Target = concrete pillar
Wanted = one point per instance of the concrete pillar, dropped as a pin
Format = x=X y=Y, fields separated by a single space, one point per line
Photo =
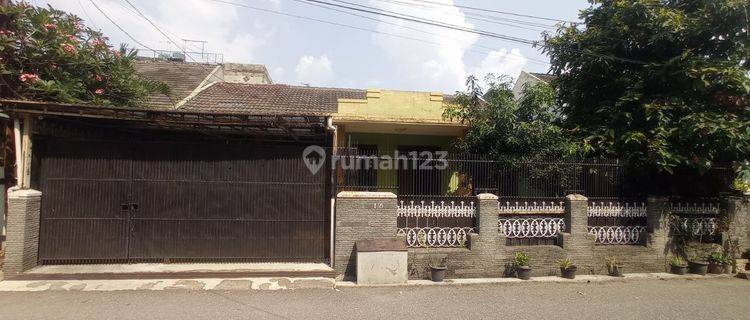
x=486 y=220
x=361 y=216
x=22 y=240
x=737 y=214
x=657 y=223
x=576 y=214
x=576 y=240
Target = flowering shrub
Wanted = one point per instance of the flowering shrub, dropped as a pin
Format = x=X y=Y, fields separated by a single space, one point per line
x=49 y=55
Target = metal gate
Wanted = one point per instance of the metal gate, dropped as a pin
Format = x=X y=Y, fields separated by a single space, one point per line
x=107 y=201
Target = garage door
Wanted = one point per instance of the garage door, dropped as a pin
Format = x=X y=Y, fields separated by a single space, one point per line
x=106 y=201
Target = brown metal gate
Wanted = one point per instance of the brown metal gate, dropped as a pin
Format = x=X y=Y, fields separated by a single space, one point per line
x=107 y=201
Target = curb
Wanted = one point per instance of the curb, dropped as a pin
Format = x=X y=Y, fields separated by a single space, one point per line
x=550 y=279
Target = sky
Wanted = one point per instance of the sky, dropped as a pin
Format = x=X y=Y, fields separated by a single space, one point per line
x=364 y=51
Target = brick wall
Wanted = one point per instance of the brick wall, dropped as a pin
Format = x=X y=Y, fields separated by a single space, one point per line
x=22 y=240
x=361 y=216
x=487 y=254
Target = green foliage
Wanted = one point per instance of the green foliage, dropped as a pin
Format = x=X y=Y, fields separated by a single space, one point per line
x=677 y=261
x=522 y=259
x=611 y=262
x=718 y=258
x=662 y=83
x=49 y=55
x=565 y=263
x=505 y=129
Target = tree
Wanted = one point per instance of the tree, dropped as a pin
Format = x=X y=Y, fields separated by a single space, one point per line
x=49 y=55
x=510 y=130
x=662 y=83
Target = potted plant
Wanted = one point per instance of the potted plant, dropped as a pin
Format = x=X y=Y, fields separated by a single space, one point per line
x=437 y=264
x=717 y=262
x=678 y=264
x=614 y=267
x=567 y=268
x=437 y=269
x=523 y=270
x=698 y=267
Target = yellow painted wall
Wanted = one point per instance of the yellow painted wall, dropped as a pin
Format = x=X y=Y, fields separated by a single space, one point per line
x=394 y=106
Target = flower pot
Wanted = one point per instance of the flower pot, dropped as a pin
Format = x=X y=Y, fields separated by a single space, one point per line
x=569 y=273
x=615 y=271
x=728 y=269
x=524 y=272
x=680 y=270
x=697 y=267
x=715 y=268
x=437 y=274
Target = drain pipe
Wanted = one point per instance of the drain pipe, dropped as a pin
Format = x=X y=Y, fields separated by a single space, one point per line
x=332 y=128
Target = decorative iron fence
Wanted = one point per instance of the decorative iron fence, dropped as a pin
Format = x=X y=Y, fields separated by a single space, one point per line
x=696 y=220
x=436 y=221
x=531 y=229
x=617 y=222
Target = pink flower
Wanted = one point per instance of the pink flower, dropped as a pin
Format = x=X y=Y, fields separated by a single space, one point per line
x=50 y=26
x=98 y=42
x=78 y=25
x=73 y=38
x=98 y=77
x=99 y=91
x=5 y=32
x=116 y=53
x=28 y=77
x=69 y=48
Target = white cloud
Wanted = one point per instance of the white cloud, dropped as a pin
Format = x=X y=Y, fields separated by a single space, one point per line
x=500 y=62
x=429 y=67
x=314 y=71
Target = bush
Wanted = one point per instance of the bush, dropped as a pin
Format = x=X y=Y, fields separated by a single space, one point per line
x=49 y=55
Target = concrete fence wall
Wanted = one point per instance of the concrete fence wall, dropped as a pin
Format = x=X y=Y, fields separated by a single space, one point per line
x=361 y=216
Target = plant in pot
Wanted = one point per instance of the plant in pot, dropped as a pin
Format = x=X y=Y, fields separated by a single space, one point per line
x=523 y=270
x=698 y=267
x=614 y=267
x=717 y=262
x=436 y=264
x=567 y=268
x=678 y=265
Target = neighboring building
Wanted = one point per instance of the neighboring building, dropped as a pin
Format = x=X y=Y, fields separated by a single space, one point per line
x=186 y=78
x=528 y=78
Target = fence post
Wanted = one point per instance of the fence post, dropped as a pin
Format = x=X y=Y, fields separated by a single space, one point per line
x=736 y=214
x=576 y=240
x=487 y=223
x=361 y=216
x=657 y=223
x=22 y=244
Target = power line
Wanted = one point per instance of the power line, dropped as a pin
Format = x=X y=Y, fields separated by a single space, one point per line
x=481 y=17
x=532 y=43
x=396 y=15
x=118 y=26
x=497 y=11
x=338 y=24
x=422 y=31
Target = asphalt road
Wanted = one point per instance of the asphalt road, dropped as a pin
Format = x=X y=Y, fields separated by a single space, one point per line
x=644 y=299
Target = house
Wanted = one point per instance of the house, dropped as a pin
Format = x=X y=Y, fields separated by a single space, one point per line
x=213 y=173
x=528 y=78
x=397 y=123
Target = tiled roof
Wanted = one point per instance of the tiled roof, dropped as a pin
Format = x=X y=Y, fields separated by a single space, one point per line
x=544 y=77
x=270 y=99
x=181 y=77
